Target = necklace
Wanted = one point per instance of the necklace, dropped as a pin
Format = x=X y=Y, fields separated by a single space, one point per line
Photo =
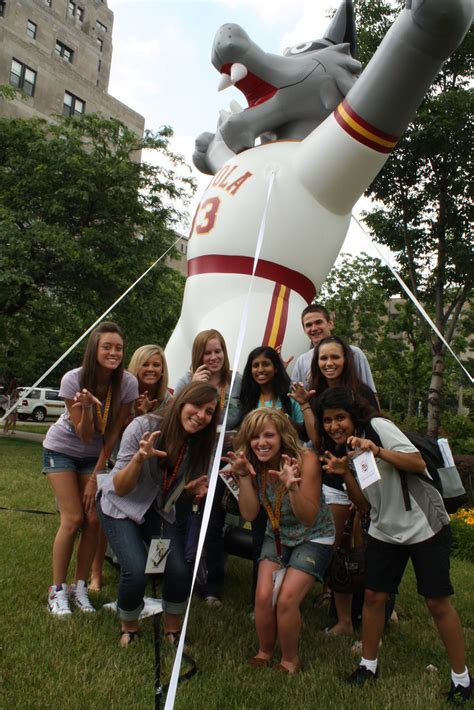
x=102 y=418
x=168 y=479
x=273 y=515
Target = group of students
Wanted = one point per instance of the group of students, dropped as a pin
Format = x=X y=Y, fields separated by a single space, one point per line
x=297 y=496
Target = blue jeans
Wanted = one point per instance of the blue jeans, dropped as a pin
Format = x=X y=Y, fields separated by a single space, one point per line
x=127 y=539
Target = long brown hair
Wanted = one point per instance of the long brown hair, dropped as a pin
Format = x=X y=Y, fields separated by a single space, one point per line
x=89 y=371
x=253 y=424
x=199 y=347
x=173 y=436
x=140 y=356
x=349 y=373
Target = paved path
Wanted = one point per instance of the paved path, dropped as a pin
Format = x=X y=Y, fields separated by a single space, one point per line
x=29 y=436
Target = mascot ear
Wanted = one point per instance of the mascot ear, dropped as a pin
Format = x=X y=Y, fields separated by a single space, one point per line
x=342 y=28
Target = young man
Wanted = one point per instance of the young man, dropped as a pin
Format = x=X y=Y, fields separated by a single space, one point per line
x=317 y=324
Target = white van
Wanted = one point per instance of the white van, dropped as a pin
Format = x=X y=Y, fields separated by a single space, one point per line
x=39 y=404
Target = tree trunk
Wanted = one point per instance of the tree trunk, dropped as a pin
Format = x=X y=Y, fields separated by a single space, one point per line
x=434 y=395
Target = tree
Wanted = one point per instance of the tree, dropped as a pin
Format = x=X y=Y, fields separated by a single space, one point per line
x=80 y=219
x=363 y=295
x=422 y=198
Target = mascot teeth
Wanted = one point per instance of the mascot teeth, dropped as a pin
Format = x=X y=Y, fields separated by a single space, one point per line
x=238 y=72
x=224 y=82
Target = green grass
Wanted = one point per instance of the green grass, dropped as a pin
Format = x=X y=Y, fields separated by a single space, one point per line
x=32 y=428
x=77 y=662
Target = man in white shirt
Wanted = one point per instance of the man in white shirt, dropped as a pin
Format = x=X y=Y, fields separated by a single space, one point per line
x=318 y=324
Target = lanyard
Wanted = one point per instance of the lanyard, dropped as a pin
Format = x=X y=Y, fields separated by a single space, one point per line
x=222 y=390
x=102 y=419
x=169 y=479
x=273 y=515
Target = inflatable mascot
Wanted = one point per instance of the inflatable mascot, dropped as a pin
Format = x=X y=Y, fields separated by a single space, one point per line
x=324 y=134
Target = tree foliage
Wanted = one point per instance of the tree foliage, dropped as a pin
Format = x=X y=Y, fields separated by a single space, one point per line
x=81 y=217
x=422 y=197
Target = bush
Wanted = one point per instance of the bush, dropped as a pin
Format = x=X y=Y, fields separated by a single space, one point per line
x=459 y=429
x=462 y=526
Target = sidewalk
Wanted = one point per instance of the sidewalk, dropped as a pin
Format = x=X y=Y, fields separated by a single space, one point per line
x=23 y=435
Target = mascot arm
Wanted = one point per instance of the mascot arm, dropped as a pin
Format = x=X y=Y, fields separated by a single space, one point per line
x=339 y=160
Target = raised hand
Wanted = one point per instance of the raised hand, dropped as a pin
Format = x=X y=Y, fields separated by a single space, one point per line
x=331 y=464
x=240 y=465
x=146 y=449
x=143 y=404
x=197 y=488
x=289 y=474
x=300 y=394
x=201 y=374
x=85 y=399
x=285 y=362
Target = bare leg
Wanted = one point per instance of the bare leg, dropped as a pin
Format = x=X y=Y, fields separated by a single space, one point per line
x=66 y=489
x=373 y=622
x=172 y=623
x=449 y=627
x=88 y=541
x=343 y=602
x=98 y=563
x=265 y=619
x=295 y=587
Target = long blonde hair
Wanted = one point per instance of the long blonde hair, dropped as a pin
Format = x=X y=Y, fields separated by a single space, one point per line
x=199 y=347
x=140 y=356
x=253 y=424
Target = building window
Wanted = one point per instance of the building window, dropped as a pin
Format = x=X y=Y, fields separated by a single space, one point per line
x=2 y=7
x=63 y=51
x=100 y=26
x=47 y=3
x=73 y=105
x=99 y=65
x=22 y=77
x=31 y=28
x=100 y=44
x=75 y=11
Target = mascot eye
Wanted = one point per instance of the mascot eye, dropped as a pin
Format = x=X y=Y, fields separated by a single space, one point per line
x=303 y=47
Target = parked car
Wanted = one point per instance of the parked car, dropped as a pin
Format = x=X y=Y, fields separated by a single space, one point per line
x=39 y=404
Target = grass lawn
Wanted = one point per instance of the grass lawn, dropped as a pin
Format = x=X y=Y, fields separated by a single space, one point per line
x=76 y=662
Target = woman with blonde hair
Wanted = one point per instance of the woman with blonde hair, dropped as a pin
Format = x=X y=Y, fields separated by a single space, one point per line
x=148 y=364
x=273 y=470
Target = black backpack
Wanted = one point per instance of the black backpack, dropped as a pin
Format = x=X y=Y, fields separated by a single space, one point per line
x=446 y=480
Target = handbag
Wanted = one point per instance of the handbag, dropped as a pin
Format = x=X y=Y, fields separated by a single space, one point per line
x=347 y=569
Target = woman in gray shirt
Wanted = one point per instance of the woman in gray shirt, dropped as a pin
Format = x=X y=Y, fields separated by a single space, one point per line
x=161 y=468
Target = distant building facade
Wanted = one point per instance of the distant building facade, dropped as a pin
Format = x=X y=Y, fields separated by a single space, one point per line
x=59 y=53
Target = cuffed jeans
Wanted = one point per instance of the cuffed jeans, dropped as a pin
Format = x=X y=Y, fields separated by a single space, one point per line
x=127 y=540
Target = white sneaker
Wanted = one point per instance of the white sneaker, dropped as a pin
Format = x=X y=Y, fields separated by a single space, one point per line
x=80 y=597
x=58 y=600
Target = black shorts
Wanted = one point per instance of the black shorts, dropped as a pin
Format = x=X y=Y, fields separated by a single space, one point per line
x=386 y=564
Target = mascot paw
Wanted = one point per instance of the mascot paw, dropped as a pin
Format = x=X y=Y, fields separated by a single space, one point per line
x=200 y=155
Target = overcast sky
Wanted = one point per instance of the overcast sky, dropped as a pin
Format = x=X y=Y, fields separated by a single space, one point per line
x=161 y=62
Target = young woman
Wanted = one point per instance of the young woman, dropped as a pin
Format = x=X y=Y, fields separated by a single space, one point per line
x=333 y=365
x=99 y=397
x=210 y=363
x=265 y=383
x=273 y=470
x=158 y=459
x=396 y=534
x=149 y=366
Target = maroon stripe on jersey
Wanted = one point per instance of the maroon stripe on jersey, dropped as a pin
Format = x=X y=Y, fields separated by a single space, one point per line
x=225 y=264
x=277 y=316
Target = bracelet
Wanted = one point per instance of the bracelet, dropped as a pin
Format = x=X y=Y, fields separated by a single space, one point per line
x=242 y=475
x=93 y=479
x=306 y=406
x=378 y=453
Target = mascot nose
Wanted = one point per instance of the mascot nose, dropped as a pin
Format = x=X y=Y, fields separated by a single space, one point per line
x=230 y=39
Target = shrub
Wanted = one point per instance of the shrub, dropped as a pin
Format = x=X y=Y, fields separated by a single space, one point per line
x=459 y=429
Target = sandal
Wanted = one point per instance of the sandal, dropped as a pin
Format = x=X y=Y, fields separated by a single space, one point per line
x=323 y=599
x=127 y=638
x=257 y=662
x=284 y=669
x=173 y=639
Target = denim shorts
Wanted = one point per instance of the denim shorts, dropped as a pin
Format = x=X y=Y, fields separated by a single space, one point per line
x=54 y=462
x=334 y=496
x=310 y=557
